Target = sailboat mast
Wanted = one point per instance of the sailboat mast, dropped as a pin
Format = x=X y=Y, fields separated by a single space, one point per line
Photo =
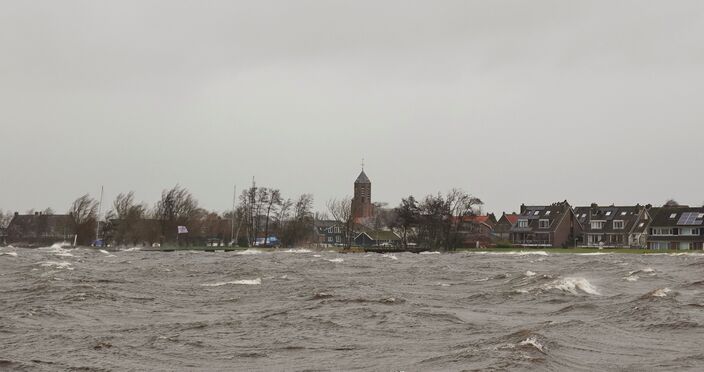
x=100 y=208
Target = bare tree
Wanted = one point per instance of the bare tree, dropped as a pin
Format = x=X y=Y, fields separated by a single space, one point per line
x=407 y=217
x=84 y=215
x=175 y=208
x=341 y=211
x=671 y=203
x=5 y=219
x=124 y=220
x=273 y=202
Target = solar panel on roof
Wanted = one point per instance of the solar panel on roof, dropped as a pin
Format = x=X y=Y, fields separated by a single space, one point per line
x=688 y=218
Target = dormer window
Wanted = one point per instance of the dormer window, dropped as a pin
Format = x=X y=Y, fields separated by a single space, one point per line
x=618 y=225
x=544 y=224
x=623 y=213
x=522 y=223
x=672 y=216
x=608 y=213
x=547 y=213
x=537 y=213
x=597 y=225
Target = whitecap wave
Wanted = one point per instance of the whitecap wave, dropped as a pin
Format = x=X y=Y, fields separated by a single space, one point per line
x=336 y=260
x=389 y=256
x=660 y=292
x=58 y=265
x=249 y=251
x=530 y=273
x=297 y=250
x=573 y=285
x=434 y=252
x=632 y=278
x=594 y=254
x=11 y=254
x=533 y=341
x=133 y=249
x=256 y=281
x=515 y=253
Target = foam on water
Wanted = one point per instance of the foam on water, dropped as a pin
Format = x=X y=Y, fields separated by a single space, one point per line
x=298 y=250
x=389 y=256
x=573 y=285
x=11 y=254
x=56 y=264
x=594 y=254
x=133 y=249
x=256 y=281
x=434 y=252
x=530 y=273
x=632 y=278
x=336 y=260
x=249 y=251
x=515 y=253
x=533 y=341
x=660 y=292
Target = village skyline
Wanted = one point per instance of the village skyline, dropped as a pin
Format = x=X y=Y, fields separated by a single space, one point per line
x=491 y=100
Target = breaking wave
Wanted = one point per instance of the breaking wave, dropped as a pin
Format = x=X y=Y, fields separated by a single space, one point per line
x=573 y=286
x=58 y=265
x=336 y=260
x=256 y=281
x=11 y=254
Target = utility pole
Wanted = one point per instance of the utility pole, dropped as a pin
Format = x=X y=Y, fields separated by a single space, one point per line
x=232 y=232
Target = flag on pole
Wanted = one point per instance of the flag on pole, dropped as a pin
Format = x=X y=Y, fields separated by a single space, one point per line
x=182 y=230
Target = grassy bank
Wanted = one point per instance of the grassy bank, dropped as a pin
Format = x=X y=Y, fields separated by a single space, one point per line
x=568 y=250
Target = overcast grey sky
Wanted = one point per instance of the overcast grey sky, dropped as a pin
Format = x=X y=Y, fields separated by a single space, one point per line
x=513 y=101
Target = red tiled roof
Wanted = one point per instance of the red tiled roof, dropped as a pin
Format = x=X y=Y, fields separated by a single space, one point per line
x=512 y=218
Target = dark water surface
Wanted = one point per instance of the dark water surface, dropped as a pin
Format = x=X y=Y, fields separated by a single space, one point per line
x=83 y=309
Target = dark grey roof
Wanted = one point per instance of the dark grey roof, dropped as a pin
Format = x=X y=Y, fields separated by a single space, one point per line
x=362 y=178
x=635 y=218
x=678 y=216
x=553 y=213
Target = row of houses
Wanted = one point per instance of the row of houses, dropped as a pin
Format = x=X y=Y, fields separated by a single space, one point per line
x=561 y=225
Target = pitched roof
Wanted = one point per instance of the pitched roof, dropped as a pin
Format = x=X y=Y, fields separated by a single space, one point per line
x=362 y=178
x=634 y=218
x=512 y=218
x=678 y=216
x=553 y=213
x=378 y=235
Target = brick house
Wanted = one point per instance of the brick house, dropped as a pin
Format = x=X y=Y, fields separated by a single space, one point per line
x=679 y=228
x=552 y=225
x=476 y=231
x=613 y=226
x=502 y=228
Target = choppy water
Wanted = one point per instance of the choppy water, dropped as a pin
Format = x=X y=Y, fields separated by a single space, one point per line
x=84 y=309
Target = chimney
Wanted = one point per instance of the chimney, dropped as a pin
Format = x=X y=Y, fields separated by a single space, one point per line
x=36 y=213
x=17 y=213
x=523 y=208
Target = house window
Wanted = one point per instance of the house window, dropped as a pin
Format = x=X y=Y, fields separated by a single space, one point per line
x=662 y=232
x=338 y=239
x=618 y=225
x=537 y=213
x=337 y=230
x=523 y=223
x=547 y=213
x=672 y=216
x=544 y=224
x=330 y=239
x=597 y=225
x=623 y=213
x=608 y=213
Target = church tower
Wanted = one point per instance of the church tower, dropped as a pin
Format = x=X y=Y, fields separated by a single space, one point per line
x=362 y=203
